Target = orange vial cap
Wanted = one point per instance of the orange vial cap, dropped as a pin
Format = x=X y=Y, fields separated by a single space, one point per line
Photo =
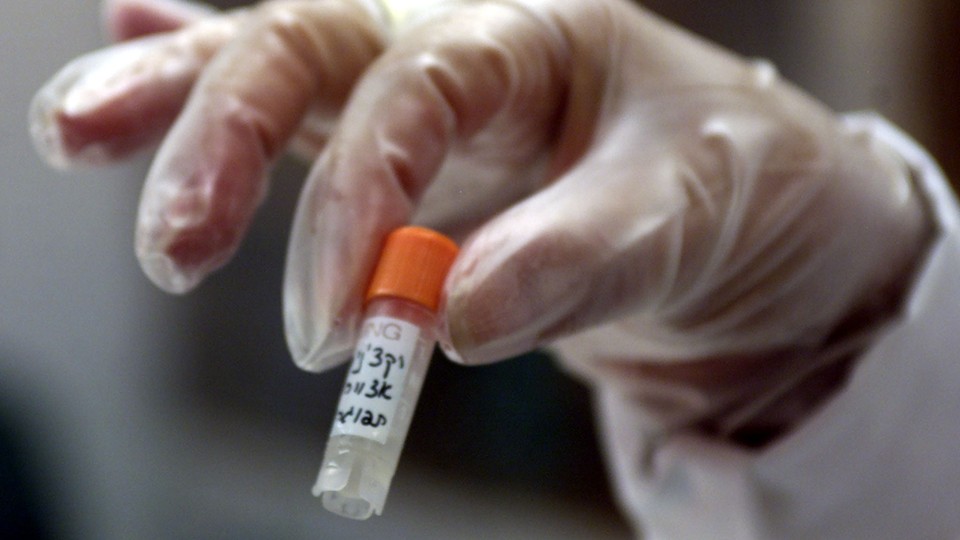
x=413 y=265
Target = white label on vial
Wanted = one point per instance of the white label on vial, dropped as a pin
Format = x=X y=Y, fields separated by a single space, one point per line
x=376 y=378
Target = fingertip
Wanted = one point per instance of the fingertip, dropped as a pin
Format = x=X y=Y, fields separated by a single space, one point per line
x=177 y=259
x=451 y=352
x=445 y=332
x=51 y=122
x=485 y=320
x=331 y=351
x=198 y=201
x=129 y=19
x=522 y=281
x=109 y=104
x=334 y=240
x=472 y=339
x=321 y=309
x=45 y=132
x=166 y=274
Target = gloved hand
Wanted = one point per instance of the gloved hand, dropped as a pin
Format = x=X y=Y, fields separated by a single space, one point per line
x=691 y=231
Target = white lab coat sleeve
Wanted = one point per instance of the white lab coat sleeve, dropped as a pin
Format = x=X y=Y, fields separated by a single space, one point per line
x=880 y=459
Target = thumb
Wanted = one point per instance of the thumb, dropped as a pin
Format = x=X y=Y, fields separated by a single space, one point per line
x=581 y=251
x=728 y=220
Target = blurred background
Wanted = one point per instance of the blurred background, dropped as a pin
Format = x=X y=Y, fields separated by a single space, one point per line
x=125 y=413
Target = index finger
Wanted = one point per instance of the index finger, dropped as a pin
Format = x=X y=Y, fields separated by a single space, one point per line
x=483 y=78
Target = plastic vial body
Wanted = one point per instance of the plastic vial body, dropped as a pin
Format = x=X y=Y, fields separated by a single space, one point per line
x=397 y=338
x=374 y=413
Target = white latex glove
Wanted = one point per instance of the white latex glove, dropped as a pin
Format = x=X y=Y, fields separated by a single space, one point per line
x=701 y=235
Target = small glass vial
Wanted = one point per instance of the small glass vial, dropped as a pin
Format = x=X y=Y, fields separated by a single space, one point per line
x=389 y=365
